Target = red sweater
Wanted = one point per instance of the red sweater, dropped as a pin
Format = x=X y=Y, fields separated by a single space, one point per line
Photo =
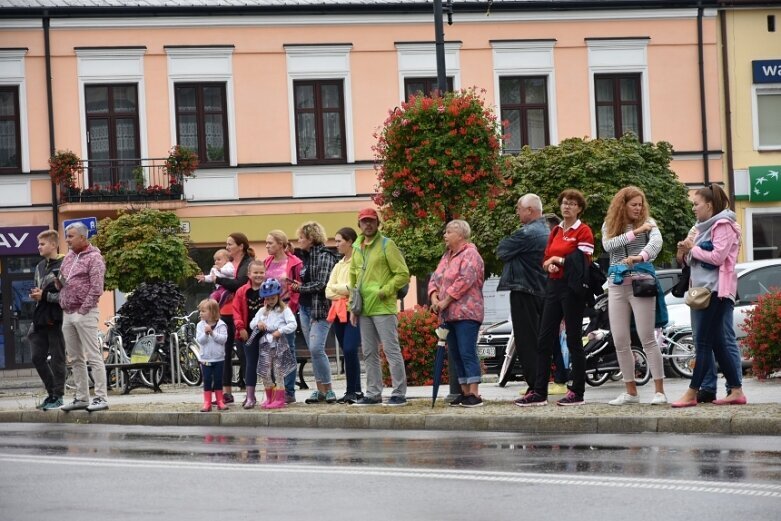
x=563 y=242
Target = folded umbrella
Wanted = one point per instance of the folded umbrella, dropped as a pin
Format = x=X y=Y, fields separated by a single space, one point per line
x=439 y=361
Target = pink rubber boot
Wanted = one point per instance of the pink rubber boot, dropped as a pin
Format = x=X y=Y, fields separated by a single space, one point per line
x=207 y=401
x=221 y=400
x=269 y=398
x=279 y=400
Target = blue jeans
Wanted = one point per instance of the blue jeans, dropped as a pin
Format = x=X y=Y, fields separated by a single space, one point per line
x=349 y=337
x=713 y=334
x=212 y=375
x=290 y=379
x=316 y=333
x=462 y=340
x=709 y=383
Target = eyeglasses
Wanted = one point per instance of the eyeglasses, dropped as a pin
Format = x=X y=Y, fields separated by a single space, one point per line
x=569 y=203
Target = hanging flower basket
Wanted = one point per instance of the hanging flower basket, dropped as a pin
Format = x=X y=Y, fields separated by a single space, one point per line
x=181 y=162
x=64 y=168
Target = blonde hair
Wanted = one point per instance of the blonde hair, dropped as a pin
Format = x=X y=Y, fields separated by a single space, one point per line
x=49 y=235
x=313 y=231
x=211 y=307
x=222 y=252
x=461 y=226
x=280 y=237
x=616 y=220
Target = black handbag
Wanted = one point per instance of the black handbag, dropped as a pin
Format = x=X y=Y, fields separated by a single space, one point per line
x=644 y=288
x=682 y=286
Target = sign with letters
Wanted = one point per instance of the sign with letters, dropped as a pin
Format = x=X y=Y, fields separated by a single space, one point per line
x=20 y=240
x=766 y=71
x=90 y=222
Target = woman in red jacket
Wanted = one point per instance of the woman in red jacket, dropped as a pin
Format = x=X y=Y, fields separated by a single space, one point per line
x=569 y=237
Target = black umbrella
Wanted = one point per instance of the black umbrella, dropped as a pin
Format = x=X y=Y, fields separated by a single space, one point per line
x=439 y=361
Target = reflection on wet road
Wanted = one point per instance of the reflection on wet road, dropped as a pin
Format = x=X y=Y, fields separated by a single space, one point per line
x=679 y=474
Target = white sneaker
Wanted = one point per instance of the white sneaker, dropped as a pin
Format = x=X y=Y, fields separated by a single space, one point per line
x=659 y=399
x=98 y=404
x=625 y=399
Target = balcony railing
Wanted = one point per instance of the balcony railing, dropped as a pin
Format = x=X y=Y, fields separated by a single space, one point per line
x=123 y=180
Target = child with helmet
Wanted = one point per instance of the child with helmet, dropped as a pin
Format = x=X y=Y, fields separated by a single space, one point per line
x=270 y=326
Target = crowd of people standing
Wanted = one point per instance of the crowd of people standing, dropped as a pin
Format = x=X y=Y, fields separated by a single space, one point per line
x=259 y=304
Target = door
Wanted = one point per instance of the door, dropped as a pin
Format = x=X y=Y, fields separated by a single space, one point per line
x=16 y=314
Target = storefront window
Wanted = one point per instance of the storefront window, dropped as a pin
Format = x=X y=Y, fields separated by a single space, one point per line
x=766 y=233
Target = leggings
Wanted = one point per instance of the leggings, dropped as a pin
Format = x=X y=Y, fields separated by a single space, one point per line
x=212 y=375
x=227 y=370
x=251 y=362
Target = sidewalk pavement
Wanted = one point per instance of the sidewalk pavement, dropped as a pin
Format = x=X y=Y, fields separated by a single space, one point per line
x=178 y=405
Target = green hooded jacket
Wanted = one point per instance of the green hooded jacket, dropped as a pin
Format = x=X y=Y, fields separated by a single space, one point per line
x=386 y=272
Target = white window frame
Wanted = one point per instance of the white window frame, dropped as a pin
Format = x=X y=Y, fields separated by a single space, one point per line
x=760 y=90
x=12 y=74
x=112 y=66
x=320 y=62
x=420 y=60
x=203 y=65
x=748 y=234
x=527 y=58
x=620 y=56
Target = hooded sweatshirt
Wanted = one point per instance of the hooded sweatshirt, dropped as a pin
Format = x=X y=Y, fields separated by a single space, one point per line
x=82 y=276
x=723 y=231
x=47 y=310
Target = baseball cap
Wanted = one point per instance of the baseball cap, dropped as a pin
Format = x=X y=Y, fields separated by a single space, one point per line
x=368 y=213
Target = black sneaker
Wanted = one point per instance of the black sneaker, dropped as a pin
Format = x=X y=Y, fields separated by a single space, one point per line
x=396 y=401
x=571 y=399
x=349 y=398
x=704 y=396
x=45 y=402
x=368 y=400
x=472 y=400
x=457 y=401
x=531 y=399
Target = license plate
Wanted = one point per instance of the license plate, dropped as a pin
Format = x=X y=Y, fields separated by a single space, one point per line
x=486 y=352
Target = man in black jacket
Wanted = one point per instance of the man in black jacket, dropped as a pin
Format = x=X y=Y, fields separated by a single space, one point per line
x=46 y=332
x=522 y=254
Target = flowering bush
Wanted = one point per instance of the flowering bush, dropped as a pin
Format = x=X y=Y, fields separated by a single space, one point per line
x=64 y=168
x=181 y=162
x=418 y=346
x=437 y=158
x=763 y=333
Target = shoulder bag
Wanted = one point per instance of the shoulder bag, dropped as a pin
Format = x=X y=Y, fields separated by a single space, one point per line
x=698 y=298
x=643 y=287
x=356 y=302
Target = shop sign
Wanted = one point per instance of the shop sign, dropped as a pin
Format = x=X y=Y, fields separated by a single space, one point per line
x=764 y=183
x=20 y=240
x=766 y=71
x=90 y=222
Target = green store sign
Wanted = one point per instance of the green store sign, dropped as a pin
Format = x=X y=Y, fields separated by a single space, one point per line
x=764 y=183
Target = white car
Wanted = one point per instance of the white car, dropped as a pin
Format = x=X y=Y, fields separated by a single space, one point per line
x=754 y=279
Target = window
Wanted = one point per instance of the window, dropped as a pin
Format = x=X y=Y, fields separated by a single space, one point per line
x=524 y=105
x=112 y=133
x=424 y=86
x=619 y=108
x=10 y=138
x=319 y=117
x=757 y=283
x=768 y=117
x=766 y=235
x=202 y=122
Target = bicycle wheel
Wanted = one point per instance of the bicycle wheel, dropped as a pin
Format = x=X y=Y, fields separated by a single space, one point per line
x=148 y=376
x=683 y=355
x=190 y=366
x=506 y=373
x=116 y=355
x=642 y=370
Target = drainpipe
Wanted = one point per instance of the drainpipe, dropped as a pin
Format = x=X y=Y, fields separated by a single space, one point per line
x=50 y=103
x=703 y=115
x=727 y=109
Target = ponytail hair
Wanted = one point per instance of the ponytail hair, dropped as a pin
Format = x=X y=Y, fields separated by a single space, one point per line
x=715 y=195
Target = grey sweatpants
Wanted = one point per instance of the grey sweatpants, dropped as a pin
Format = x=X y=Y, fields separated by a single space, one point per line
x=376 y=329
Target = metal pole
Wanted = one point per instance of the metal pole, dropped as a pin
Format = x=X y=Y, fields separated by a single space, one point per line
x=439 y=38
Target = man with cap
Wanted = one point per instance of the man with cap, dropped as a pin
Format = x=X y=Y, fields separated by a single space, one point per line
x=378 y=270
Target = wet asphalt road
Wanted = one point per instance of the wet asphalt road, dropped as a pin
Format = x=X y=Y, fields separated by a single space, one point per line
x=68 y=472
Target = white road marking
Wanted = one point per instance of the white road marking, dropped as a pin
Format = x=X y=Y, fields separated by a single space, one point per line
x=734 y=488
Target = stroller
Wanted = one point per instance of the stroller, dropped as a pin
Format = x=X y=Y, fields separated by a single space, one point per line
x=601 y=360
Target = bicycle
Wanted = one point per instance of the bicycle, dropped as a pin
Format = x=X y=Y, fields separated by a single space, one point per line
x=189 y=351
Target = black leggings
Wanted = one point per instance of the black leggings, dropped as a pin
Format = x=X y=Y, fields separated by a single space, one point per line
x=227 y=370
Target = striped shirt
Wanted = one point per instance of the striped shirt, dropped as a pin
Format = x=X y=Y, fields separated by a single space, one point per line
x=647 y=244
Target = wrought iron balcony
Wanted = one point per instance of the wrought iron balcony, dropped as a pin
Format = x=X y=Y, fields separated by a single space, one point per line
x=123 y=180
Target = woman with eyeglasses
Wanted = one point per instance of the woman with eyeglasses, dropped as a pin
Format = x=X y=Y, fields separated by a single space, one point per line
x=568 y=243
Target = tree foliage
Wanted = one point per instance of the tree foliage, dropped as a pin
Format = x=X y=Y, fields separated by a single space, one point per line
x=145 y=246
x=152 y=306
x=598 y=168
x=438 y=158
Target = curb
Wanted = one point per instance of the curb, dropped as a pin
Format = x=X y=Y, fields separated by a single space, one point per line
x=527 y=423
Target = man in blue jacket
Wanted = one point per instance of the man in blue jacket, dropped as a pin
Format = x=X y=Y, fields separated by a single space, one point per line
x=522 y=275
